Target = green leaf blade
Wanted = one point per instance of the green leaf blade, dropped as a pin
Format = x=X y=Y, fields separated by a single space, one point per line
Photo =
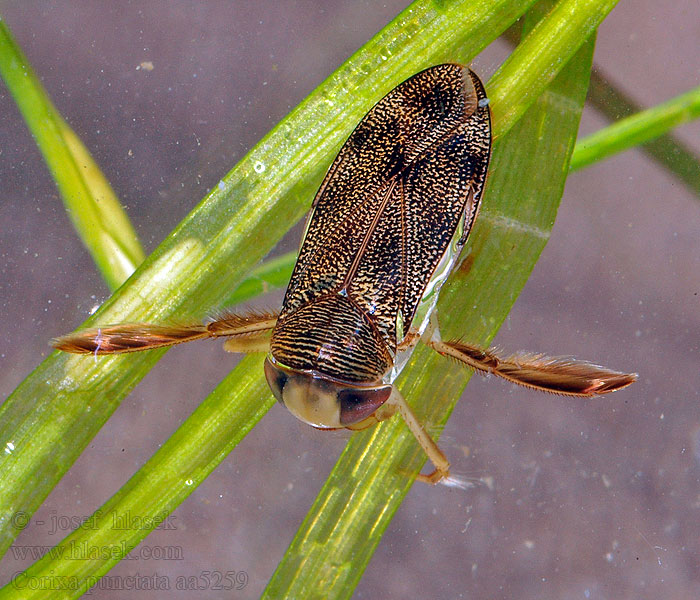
x=90 y=202
x=548 y=47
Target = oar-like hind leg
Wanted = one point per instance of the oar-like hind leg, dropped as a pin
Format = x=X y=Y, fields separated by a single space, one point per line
x=557 y=375
x=246 y=332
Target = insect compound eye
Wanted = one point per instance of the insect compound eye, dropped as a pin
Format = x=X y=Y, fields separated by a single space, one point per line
x=276 y=379
x=356 y=404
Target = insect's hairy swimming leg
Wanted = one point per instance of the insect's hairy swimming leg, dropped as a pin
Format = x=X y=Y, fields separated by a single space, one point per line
x=557 y=375
x=246 y=332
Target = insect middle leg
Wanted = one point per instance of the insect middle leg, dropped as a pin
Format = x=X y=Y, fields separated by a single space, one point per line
x=442 y=466
x=394 y=404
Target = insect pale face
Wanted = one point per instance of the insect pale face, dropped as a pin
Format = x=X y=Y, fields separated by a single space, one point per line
x=320 y=401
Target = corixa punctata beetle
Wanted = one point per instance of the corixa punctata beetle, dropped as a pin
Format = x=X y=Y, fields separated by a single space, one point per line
x=385 y=229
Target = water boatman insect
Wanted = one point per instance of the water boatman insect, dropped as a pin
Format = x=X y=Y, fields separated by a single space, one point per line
x=385 y=229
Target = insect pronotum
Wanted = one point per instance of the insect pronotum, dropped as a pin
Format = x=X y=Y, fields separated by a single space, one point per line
x=385 y=229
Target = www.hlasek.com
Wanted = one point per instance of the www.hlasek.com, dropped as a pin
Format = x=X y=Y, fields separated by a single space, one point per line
x=84 y=551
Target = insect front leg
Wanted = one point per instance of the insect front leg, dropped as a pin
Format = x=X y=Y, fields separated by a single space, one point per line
x=246 y=333
x=384 y=412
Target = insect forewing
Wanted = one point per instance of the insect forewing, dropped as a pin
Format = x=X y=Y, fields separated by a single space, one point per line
x=403 y=191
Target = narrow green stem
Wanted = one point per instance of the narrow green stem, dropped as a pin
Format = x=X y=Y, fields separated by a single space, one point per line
x=175 y=471
x=89 y=200
x=637 y=129
x=666 y=150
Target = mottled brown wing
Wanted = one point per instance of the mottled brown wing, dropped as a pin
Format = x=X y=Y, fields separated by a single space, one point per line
x=393 y=198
